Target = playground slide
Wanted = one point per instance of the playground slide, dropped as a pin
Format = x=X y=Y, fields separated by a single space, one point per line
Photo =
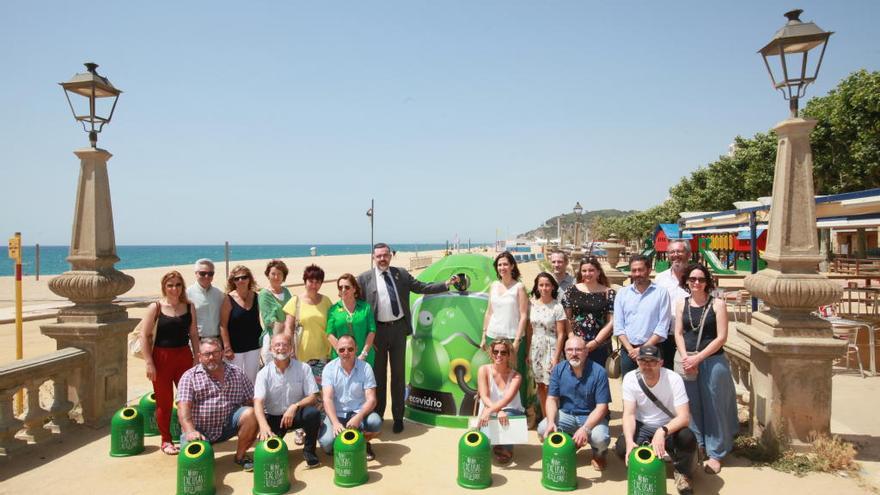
x=714 y=263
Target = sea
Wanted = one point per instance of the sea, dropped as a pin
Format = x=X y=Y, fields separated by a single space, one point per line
x=53 y=258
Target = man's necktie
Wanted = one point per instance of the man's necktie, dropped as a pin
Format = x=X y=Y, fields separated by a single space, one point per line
x=392 y=294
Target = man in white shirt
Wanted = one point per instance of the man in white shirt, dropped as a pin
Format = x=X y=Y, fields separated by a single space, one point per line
x=661 y=420
x=285 y=394
x=206 y=298
x=679 y=254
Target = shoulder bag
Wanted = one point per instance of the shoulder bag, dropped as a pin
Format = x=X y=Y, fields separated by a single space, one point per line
x=653 y=398
x=134 y=338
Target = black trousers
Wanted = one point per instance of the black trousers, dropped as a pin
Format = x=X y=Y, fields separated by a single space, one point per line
x=390 y=345
x=308 y=418
x=681 y=446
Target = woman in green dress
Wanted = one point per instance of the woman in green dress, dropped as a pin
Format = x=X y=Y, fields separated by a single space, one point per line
x=352 y=316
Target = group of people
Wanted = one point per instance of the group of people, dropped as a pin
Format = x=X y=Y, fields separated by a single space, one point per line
x=294 y=356
x=255 y=363
x=677 y=389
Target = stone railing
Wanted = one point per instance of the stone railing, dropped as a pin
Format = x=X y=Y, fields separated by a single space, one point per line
x=738 y=352
x=39 y=419
x=417 y=262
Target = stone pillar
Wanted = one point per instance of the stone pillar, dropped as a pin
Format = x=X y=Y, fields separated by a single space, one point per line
x=791 y=350
x=94 y=323
x=615 y=276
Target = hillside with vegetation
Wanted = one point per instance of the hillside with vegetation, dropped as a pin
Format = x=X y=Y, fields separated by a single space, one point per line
x=568 y=220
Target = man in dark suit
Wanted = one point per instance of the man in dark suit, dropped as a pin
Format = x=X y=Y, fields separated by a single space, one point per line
x=387 y=290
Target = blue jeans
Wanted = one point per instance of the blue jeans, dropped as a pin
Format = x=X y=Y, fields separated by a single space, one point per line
x=600 y=436
x=713 y=406
x=230 y=428
x=372 y=424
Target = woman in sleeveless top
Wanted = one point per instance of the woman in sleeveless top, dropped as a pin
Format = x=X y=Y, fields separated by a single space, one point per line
x=508 y=310
x=712 y=395
x=170 y=350
x=498 y=385
x=589 y=305
x=240 y=322
x=546 y=331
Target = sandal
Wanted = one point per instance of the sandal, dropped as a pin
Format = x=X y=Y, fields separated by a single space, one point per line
x=169 y=448
x=503 y=456
x=709 y=469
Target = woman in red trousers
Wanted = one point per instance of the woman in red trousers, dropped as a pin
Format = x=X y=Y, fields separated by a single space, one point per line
x=170 y=343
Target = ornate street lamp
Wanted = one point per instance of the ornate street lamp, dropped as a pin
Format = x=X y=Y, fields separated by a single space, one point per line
x=98 y=91
x=94 y=323
x=788 y=345
x=792 y=44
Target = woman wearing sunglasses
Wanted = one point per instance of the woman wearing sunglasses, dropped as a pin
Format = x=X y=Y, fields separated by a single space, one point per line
x=240 y=321
x=168 y=352
x=352 y=316
x=700 y=334
x=498 y=387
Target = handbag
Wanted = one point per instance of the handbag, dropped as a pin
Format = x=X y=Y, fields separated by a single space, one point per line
x=677 y=364
x=298 y=328
x=135 y=348
x=612 y=362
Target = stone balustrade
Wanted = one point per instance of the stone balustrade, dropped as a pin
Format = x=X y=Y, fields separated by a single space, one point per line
x=738 y=352
x=38 y=421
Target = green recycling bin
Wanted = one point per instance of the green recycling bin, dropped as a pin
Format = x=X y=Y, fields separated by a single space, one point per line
x=474 y=460
x=126 y=433
x=646 y=473
x=147 y=407
x=271 y=467
x=559 y=464
x=195 y=469
x=175 y=425
x=350 y=459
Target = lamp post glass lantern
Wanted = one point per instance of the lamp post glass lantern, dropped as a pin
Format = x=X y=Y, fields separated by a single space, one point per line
x=100 y=96
x=788 y=52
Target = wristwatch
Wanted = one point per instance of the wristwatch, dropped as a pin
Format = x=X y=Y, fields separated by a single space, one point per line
x=665 y=430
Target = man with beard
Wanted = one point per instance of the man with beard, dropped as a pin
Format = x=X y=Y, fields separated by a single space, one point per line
x=656 y=410
x=285 y=393
x=679 y=254
x=577 y=401
x=641 y=313
x=214 y=403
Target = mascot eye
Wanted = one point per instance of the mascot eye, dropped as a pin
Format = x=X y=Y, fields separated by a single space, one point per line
x=425 y=318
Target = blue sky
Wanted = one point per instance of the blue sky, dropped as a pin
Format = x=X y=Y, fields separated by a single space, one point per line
x=277 y=122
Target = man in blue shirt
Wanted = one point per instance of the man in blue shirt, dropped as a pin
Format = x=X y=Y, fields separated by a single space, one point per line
x=349 y=390
x=641 y=313
x=577 y=401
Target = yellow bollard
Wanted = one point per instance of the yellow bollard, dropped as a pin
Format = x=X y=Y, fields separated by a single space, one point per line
x=15 y=254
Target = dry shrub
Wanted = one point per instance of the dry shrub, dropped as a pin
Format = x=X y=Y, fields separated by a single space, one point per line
x=832 y=454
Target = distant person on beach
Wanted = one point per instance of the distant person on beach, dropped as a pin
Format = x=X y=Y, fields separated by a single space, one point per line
x=285 y=395
x=700 y=334
x=351 y=315
x=507 y=314
x=678 y=253
x=214 y=403
x=498 y=385
x=171 y=350
x=546 y=332
x=272 y=300
x=641 y=313
x=589 y=306
x=306 y=321
x=387 y=289
x=240 y=321
x=349 y=390
x=207 y=299
x=578 y=401
x=660 y=418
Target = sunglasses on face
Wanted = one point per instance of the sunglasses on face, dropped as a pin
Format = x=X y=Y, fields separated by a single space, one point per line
x=696 y=280
x=240 y=278
x=344 y=349
x=171 y=286
x=499 y=352
x=205 y=274
x=344 y=288
x=212 y=354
